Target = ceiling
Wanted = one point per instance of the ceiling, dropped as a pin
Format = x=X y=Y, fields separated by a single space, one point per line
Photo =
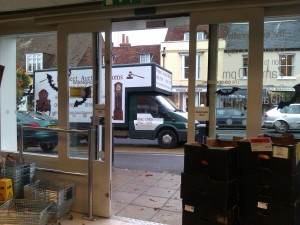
x=16 y=5
x=21 y=9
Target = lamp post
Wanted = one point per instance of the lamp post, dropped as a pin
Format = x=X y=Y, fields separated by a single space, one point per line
x=163 y=54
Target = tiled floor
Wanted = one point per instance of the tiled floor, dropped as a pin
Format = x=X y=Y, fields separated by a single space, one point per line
x=140 y=197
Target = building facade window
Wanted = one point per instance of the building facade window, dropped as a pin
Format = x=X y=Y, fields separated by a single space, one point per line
x=200 y=36
x=185 y=66
x=286 y=67
x=34 y=62
x=244 y=71
x=145 y=58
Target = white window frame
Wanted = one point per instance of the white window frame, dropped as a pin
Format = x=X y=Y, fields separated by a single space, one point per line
x=200 y=36
x=292 y=66
x=245 y=66
x=34 y=61
x=186 y=36
x=146 y=58
x=183 y=67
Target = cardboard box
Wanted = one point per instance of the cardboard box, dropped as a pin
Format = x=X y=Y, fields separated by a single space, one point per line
x=196 y=213
x=219 y=163
x=6 y=189
x=209 y=192
x=213 y=142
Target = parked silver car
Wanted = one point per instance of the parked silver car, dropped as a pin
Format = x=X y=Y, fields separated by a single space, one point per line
x=230 y=117
x=282 y=120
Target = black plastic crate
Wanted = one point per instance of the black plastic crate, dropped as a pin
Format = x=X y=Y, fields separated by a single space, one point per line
x=214 y=193
x=262 y=210
x=196 y=213
x=219 y=163
x=252 y=160
x=281 y=188
x=282 y=159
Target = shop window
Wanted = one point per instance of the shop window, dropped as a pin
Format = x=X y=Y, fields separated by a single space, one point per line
x=286 y=67
x=185 y=66
x=34 y=62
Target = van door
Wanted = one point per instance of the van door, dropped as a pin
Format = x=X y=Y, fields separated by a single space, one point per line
x=145 y=115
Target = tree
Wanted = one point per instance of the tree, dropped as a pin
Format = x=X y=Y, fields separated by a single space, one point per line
x=23 y=81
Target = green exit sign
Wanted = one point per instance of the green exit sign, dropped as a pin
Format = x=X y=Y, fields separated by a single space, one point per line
x=121 y=2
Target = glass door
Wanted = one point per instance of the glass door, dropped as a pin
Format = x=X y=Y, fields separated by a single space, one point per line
x=83 y=64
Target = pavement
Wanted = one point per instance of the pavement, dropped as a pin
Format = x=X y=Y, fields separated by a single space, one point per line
x=147 y=196
x=140 y=197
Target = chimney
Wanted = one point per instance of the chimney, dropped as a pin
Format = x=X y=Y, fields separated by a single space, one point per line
x=123 y=38
x=125 y=44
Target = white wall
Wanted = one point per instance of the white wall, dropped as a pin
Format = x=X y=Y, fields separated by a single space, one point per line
x=8 y=123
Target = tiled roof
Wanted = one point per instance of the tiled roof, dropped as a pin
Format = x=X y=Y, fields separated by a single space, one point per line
x=277 y=35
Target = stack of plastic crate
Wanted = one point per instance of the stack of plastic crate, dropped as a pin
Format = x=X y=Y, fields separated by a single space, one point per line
x=269 y=184
x=59 y=192
x=209 y=184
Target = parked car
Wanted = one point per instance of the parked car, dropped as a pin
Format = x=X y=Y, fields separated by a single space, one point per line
x=230 y=117
x=282 y=120
x=47 y=140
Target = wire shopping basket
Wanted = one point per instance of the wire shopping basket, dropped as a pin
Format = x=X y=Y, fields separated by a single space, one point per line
x=59 y=192
x=25 y=212
x=21 y=174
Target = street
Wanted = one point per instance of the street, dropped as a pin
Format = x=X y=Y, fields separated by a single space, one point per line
x=154 y=162
x=141 y=154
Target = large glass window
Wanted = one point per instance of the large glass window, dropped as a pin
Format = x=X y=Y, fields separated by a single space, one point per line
x=37 y=91
x=281 y=51
x=231 y=85
x=80 y=84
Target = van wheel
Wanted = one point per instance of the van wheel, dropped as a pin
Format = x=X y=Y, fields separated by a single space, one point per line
x=167 y=139
x=47 y=147
x=281 y=126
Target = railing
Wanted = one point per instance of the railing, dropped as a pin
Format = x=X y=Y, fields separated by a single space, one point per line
x=21 y=137
x=91 y=143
